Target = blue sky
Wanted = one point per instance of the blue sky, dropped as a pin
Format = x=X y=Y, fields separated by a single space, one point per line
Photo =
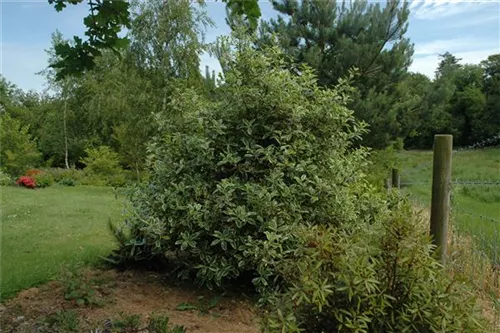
x=468 y=29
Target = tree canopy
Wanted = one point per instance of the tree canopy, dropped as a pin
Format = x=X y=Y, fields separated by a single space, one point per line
x=103 y=25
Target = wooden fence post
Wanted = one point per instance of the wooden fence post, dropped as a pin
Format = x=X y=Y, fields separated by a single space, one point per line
x=395 y=179
x=441 y=185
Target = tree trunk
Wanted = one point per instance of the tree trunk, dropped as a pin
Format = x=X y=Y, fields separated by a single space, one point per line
x=65 y=136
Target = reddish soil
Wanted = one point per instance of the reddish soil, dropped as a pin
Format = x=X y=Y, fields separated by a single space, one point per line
x=129 y=293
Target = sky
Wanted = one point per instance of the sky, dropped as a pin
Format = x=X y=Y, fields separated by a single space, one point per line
x=468 y=29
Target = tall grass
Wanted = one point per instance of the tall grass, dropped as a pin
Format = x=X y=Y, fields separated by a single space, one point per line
x=474 y=234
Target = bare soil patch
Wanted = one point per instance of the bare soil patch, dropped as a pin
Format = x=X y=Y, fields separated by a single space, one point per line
x=129 y=293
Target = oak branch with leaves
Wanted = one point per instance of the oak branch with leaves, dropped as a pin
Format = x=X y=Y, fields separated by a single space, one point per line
x=103 y=25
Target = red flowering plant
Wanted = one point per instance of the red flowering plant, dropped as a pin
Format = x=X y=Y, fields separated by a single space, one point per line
x=26 y=181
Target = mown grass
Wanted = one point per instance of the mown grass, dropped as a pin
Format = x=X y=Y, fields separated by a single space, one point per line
x=45 y=229
x=476 y=208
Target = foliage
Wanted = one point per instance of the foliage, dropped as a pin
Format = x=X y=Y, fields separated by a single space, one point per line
x=371 y=278
x=78 y=289
x=167 y=44
x=334 y=37
x=18 y=151
x=127 y=323
x=67 y=182
x=160 y=324
x=26 y=181
x=5 y=179
x=102 y=168
x=204 y=306
x=43 y=180
x=230 y=180
x=380 y=167
x=459 y=101
x=123 y=119
x=32 y=172
x=101 y=161
x=60 y=174
x=104 y=23
x=64 y=320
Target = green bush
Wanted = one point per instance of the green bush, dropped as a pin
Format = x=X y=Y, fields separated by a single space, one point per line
x=5 y=179
x=373 y=278
x=18 y=151
x=43 y=179
x=101 y=161
x=381 y=164
x=102 y=168
x=59 y=174
x=231 y=180
x=66 y=182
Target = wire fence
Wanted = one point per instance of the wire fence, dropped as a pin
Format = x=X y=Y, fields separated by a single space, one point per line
x=474 y=235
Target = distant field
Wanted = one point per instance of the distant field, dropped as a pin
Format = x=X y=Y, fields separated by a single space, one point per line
x=46 y=228
x=476 y=206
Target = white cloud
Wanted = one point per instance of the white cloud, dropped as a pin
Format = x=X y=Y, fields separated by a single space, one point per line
x=478 y=20
x=33 y=4
x=428 y=64
x=432 y=9
x=453 y=45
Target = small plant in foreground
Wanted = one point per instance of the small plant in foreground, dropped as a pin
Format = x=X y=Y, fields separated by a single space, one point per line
x=127 y=322
x=160 y=324
x=203 y=305
x=78 y=289
x=64 y=321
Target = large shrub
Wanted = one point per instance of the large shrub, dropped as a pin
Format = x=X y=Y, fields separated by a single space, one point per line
x=231 y=180
x=102 y=167
x=18 y=151
x=101 y=161
x=371 y=279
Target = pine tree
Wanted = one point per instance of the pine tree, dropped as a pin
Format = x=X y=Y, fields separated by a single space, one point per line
x=335 y=37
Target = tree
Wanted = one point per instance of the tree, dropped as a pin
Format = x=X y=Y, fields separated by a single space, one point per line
x=491 y=89
x=448 y=65
x=334 y=38
x=18 y=150
x=119 y=104
x=467 y=104
x=104 y=23
x=166 y=43
x=60 y=83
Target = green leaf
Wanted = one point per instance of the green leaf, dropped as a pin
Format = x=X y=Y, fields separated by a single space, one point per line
x=186 y=307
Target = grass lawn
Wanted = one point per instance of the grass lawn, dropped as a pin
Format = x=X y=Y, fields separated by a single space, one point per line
x=476 y=207
x=44 y=229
